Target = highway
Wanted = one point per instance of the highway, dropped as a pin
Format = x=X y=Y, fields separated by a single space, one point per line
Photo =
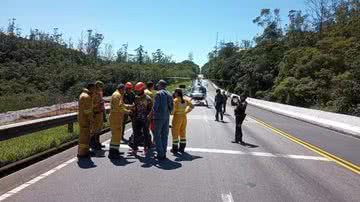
x=272 y=166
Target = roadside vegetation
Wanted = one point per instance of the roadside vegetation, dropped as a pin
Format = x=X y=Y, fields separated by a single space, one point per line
x=314 y=61
x=22 y=147
x=41 y=69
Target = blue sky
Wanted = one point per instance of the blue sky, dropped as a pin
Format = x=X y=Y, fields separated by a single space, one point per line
x=176 y=26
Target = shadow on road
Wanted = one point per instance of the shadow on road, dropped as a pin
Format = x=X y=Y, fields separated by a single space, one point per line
x=149 y=161
x=86 y=163
x=186 y=157
x=121 y=161
x=246 y=144
x=249 y=145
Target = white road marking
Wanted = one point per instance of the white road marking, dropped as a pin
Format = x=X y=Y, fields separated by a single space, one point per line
x=227 y=197
x=40 y=177
x=262 y=154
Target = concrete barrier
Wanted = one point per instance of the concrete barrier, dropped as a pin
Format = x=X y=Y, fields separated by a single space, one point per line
x=334 y=121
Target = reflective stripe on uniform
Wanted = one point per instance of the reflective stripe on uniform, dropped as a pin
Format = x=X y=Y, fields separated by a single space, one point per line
x=83 y=146
x=114 y=146
x=183 y=141
x=88 y=111
x=175 y=141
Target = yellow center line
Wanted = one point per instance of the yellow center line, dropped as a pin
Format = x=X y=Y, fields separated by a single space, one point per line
x=348 y=165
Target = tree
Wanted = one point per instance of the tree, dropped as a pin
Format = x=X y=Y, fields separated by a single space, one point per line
x=246 y=44
x=11 y=26
x=108 y=53
x=158 y=56
x=271 y=23
x=81 y=44
x=122 y=55
x=93 y=44
x=191 y=56
x=320 y=12
x=140 y=54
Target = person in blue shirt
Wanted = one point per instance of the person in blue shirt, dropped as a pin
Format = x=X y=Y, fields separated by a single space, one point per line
x=163 y=106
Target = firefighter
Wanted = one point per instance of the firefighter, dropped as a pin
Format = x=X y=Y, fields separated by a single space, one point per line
x=141 y=118
x=99 y=110
x=129 y=97
x=86 y=119
x=182 y=106
x=118 y=109
x=239 y=119
x=150 y=90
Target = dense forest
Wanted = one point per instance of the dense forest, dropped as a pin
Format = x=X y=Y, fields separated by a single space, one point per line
x=314 y=61
x=42 y=69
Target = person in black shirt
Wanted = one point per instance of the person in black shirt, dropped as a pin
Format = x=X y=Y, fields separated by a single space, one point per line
x=239 y=119
x=219 y=102
x=129 y=99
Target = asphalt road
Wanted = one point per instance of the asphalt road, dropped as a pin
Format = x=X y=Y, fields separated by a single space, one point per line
x=269 y=168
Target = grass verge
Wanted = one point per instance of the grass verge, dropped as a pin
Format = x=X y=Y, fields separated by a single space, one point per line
x=25 y=146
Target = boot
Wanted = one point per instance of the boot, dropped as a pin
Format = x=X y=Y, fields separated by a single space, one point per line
x=182 y=147
x=114 y=154
x=174 y=149
x=92 y=143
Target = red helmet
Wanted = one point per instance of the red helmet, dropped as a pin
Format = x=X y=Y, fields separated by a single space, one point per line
x=140 y=86
x=128 y=85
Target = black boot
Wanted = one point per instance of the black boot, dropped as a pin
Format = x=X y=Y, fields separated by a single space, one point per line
x=92 y=143
x=182 y=147
x=114 y=154
x=174 y=149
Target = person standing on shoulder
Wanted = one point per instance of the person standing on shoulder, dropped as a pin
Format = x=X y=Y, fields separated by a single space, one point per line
x=240 y=114
x=162 y=109
x=129 y=98
x=182 y=106
x=141 y=114
x=225 y=101
x=118 y=109
x=86 y=120
x=219 y=102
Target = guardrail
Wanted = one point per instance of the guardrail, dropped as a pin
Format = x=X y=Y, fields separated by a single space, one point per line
x=23 y=128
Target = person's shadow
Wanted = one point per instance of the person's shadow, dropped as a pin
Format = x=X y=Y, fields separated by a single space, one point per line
x=121 y=161
x=186 y=157
x=149 y=161
x=249 y=145
x=167 y=164
x=86 y=163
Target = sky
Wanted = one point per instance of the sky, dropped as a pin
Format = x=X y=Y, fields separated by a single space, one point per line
x=177 y=27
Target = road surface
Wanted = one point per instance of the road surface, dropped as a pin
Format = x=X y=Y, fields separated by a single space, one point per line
x=271 y=167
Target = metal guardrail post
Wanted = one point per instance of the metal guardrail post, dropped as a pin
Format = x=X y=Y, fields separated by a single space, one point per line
x=70 y=128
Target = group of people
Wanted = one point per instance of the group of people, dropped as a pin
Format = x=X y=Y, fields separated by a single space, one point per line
x=148 y=110
x=239 y=112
